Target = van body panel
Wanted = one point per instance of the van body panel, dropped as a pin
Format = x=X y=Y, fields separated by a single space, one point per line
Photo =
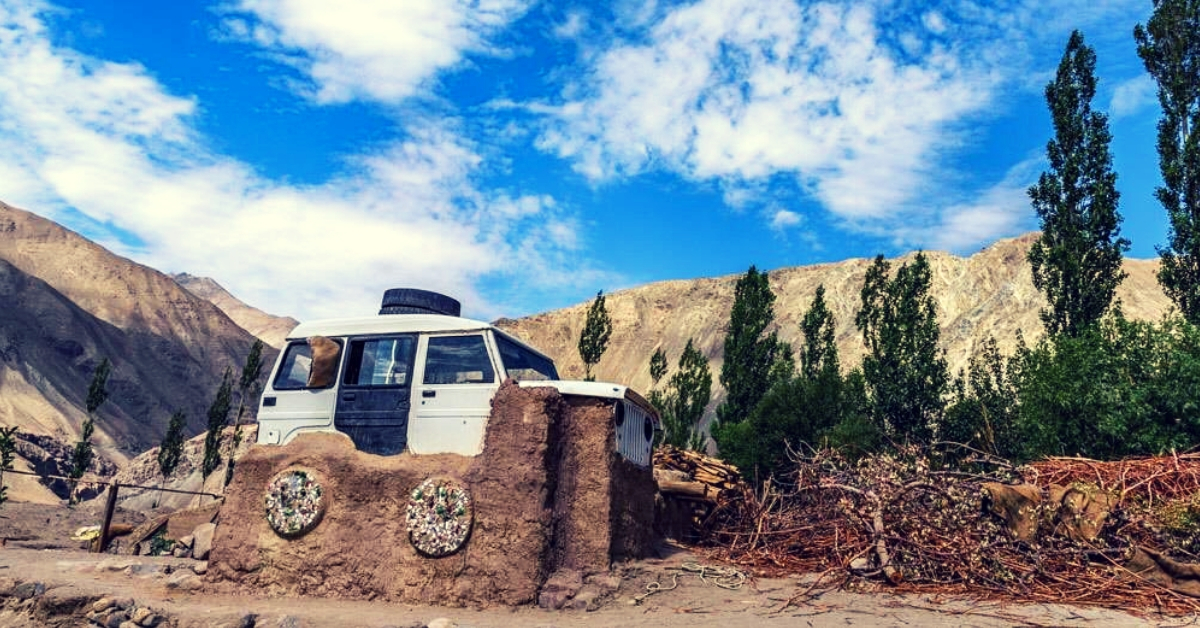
x=432 y=397
x=375 y=393
x=457 y=376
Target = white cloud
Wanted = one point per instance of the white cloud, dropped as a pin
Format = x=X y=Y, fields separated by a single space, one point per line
x=572 y=26
x=107 y=140
x=371 y=49
x=1132 y=96
x=860 y=104
x=728 y=89
x=1000 y=210
x=783 y=219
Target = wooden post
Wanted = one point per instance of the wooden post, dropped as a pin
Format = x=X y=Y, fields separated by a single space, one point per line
x=109 y=507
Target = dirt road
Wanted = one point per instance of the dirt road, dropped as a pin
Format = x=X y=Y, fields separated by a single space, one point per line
x=73 y=579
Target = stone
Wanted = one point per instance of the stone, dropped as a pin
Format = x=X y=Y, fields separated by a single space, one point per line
x=249 y=620
x=585 y=600
x=6 y=586
x=180 y=551
x=606 y=583
x=203 y=540
x=129 y=624
x=187 y=541
x=442 y=622
x=116 y=619
x=200 y=568
x=289 y=622
x=185 y=581
x=143 y=617
x=103 y=604
x=28 y=590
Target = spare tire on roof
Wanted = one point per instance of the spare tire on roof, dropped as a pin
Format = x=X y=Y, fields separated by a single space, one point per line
x=415 y=301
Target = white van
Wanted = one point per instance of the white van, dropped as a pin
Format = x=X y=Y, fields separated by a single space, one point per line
x=419 y=379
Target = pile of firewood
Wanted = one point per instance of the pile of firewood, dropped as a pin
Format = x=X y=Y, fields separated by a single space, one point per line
x=899 y=519
x=693 y=475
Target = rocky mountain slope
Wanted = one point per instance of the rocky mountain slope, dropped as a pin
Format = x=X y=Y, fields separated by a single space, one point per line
x=988 y=293
x=66 y=303
x=273 y=330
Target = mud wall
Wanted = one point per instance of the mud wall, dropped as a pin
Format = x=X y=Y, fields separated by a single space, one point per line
x=545 y=491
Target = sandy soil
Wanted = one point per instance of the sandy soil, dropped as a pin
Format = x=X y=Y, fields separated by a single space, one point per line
x=692 y=602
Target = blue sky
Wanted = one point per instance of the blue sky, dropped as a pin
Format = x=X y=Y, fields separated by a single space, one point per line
x=522 y=155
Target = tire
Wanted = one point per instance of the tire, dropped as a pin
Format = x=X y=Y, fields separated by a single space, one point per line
x=415 y=301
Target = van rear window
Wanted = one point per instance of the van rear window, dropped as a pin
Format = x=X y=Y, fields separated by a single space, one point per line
x=524 y=365
x=458 y=360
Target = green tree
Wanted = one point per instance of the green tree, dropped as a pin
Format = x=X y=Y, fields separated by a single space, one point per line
x=983 y=414
x=218 y=418
x=658 y=366
x=688 y=393
x=798 y=408
x=819 y=354
x=1169 y=45
x=1077 y=259
x=8 y=449
x=750 y=352
x=81 y=457
x=171 y=449
x=593 y=340
x=904 y=371
x=1121 y=388
x=248 y=389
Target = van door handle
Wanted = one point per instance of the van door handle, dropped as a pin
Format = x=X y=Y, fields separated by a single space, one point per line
x=428 y=393
x=348 y=396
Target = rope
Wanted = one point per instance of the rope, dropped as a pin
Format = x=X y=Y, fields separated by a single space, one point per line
x=726 y=578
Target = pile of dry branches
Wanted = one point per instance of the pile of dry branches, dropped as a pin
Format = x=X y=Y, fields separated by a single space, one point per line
x=898 y=518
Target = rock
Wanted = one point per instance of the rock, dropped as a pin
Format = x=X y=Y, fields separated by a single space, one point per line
x=180 y=551
x=144 y=617
x=442 y=622
x=103 y=604
x=200 y=568
x=559 y=588
x=606 y=583
x=129 y=624
x=585 y=600
x=203 y=540
x=28 y=590
x=247 y=621
x=115 y=564
x=289 y=622
x=185 y=581
x=6 y=586
x=116 y=619
x=187 y=541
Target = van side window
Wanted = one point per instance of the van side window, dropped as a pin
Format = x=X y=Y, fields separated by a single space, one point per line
x=458 y=360
x=296 y=370
x=293 y=371
x=380 y=362
x=522 y=364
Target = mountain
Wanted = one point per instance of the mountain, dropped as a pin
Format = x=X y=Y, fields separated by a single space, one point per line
x=66 y=303
x=988 y=293
x=273 y=330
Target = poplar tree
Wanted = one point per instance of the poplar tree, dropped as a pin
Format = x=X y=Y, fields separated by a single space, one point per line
x=750 y=352
x=1169 y=45
x=593 y=340
x=905 y=372
x=819 y=354
x=1077 y=259
x=81 y=457
x=171 y=449
x=248 y=389
x=688 y=393
x=218 y=418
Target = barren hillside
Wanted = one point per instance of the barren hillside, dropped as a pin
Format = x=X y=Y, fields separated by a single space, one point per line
x=989 y=293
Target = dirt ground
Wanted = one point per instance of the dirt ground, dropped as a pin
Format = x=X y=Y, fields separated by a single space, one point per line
x=37 y=549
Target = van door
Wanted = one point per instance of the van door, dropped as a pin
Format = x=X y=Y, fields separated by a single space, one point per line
x=375 y=396
x=452 y=402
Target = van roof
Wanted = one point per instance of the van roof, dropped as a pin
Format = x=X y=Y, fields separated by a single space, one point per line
x=398 y=324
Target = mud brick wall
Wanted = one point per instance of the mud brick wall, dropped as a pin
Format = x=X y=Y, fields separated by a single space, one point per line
x=548 y=493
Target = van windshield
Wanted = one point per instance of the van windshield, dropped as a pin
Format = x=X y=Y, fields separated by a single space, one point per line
x=522 y=364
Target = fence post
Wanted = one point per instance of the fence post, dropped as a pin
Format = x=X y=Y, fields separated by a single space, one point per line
x=109 y=507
